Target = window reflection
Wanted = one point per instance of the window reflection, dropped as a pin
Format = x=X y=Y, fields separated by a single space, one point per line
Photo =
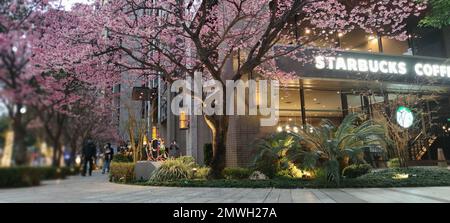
x=395 y=47
x=358 y=40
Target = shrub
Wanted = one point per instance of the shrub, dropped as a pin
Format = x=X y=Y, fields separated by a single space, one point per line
x=122 y=172
x=175 y=169
x=414 y=177
x=188 y=160
x=208 y=153
x=202 y=173
x=267 y=167
x=356 y=170
x=237 y=173
x=51 y=173
x=19 y=177
x=71 y=171
x=284 y=173
x=122 y=158
x=272 y=153
x=320 y=175
x=393 y=163
x=292 y=171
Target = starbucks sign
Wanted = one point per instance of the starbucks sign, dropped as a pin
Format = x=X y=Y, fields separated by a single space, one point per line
x=382 y=65
x=405 y=117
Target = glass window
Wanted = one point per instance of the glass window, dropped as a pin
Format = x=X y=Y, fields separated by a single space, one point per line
x=395 y=47
x=358 y=40
x=322 y=105
x=355 y=102
x=428 y=42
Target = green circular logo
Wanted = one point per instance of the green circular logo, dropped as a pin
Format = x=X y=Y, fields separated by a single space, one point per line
x=405 y=117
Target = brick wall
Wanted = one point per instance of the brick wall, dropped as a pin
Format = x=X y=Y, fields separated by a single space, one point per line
x=242 y=135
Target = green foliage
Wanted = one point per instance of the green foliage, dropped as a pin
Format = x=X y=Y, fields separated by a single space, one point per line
x=188 y=160
x=286 y=173
x=20 y=177
x=207 y=153
x=122 y=158
x=329 y=146
x=393 y=163
x=356 y=170
x=31 y=176
x=122 y=172
x=70 y=171
x=418 y=177
x=438 y=15
x=51 y=173
x=237 y=173
x=292 y=171
x=202 y=173
x=175 y=169
x=272 y=153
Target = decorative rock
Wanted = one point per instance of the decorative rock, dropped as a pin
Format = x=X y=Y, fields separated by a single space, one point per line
x=258 y=176
x=143 y=170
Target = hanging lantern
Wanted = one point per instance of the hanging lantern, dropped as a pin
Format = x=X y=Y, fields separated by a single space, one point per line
x=154 y=132
x=184 y=122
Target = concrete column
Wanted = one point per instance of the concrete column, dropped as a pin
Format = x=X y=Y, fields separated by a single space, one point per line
x=170 y=122
x=191 y=141
x=159 y=101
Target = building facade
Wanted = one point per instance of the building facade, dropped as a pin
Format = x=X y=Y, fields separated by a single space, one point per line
x=369 y=75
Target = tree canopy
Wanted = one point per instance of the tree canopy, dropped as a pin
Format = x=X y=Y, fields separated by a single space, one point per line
x=438 y=15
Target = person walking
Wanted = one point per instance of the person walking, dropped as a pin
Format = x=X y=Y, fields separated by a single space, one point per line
x=108 y=156
x=173 y=149
x=89 y=154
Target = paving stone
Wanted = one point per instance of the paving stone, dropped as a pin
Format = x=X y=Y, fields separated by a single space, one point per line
x=97 y=189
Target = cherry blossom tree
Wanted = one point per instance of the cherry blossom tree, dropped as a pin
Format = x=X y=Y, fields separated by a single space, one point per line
x=18 y=19
x=67 y=111
x=92 y=119
x=174 y=39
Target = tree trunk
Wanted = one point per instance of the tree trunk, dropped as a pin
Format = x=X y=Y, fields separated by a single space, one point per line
x=20 y=148
x=56 y=139
x=73 y=152
x=219 y=129
x=57 y=153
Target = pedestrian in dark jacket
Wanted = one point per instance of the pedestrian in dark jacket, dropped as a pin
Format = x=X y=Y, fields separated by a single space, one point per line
x=174 y=149
x=108 y=156
x=89 y=154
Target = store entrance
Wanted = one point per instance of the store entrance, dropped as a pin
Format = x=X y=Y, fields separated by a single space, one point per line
x=308 y=102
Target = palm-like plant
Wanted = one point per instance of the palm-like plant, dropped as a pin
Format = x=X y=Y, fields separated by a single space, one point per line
x=335 y=144
x=272 y=152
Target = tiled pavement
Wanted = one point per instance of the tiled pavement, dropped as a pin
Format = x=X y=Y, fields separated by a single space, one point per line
x=98 y=189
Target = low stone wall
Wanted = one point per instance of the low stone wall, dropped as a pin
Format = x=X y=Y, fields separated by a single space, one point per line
x=144 y=169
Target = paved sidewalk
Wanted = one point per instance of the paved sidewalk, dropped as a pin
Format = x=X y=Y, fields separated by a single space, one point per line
x=98 y=189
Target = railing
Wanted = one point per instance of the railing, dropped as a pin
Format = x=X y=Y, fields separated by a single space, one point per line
x=420 y=145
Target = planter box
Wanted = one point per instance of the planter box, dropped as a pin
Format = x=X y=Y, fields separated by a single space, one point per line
x=144 y=169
